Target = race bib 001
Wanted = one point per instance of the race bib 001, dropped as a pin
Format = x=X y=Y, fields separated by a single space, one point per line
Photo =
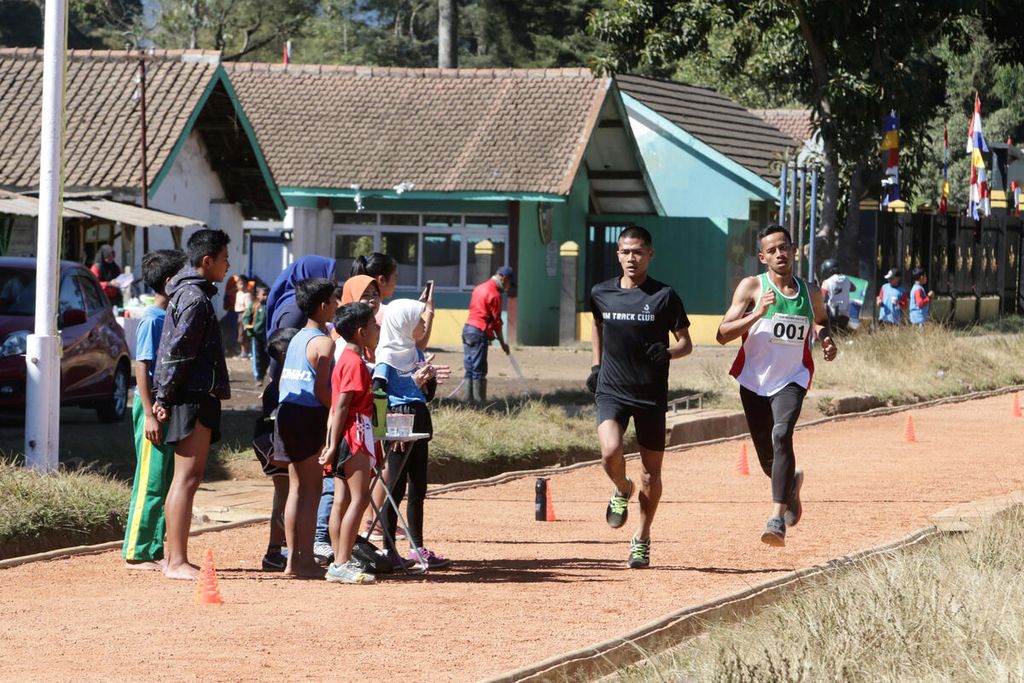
x=790 y=330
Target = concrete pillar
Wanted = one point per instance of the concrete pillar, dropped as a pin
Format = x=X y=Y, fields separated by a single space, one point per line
x=483 y=263
x=569 y=253
x=303 y=224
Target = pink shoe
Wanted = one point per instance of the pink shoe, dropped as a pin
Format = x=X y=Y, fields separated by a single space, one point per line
x=430 y=558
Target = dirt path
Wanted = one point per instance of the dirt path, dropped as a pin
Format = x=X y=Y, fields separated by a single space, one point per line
x=521 y=591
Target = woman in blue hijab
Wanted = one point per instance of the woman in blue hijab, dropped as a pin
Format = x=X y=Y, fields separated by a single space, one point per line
x=281 y=308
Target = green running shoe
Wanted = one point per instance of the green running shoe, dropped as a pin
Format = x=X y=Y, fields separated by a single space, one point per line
x=639 y=553
x=618 y=507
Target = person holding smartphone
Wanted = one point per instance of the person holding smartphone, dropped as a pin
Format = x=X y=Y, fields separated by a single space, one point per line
x=483 y=326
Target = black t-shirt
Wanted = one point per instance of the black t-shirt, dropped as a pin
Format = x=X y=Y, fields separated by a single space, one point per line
x=631 y=320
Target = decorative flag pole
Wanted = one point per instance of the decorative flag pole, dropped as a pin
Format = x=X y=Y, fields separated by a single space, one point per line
x=979 y=205
x=891 y=159
x=944 y=199
x=288 y=52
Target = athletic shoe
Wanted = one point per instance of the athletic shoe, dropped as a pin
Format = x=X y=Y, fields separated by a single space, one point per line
x=323 y=553
x=274 y=562
x=639 y=553
x=618 y=507
x=793 y=508
x=397 y=561
x=429 y=557
x=350 y=572
x=775 y=532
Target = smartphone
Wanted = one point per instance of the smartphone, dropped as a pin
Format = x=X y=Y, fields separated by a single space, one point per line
x=427 y=291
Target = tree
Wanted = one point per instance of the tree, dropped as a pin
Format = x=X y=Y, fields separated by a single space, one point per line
x=115 y=24
x=255 y=29
x=850 y=61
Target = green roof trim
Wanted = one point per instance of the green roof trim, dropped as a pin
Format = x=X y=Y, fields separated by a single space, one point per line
x=290 y=193
x=221 y=76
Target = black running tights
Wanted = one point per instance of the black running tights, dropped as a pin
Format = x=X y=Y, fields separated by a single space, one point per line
x=771 y=420
x=413 y=477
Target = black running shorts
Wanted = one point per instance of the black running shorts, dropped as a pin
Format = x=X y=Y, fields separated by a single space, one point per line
x=183 y=416
x=300 y=432
x=649 y=422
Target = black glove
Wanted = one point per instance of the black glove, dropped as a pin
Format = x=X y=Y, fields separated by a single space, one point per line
x=592 y=380
x=658 y=353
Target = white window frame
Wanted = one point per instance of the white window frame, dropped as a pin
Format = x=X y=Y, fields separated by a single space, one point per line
x=375 y=230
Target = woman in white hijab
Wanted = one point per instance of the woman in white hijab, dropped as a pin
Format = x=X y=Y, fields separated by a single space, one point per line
x=410 y=384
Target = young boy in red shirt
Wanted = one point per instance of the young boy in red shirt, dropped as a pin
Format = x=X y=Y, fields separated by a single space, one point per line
x=350 y=445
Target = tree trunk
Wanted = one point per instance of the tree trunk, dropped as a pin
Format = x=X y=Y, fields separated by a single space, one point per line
x=447 y=42
x=849 y=238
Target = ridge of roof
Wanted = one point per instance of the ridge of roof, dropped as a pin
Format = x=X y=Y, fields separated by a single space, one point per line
x=183 y=55
x=407 y=72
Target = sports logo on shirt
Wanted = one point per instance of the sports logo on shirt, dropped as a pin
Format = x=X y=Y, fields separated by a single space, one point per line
x=297 y=375
x=645 y=317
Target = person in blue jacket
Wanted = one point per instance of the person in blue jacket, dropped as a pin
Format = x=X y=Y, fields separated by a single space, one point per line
x=892 y=299
x=920 y=298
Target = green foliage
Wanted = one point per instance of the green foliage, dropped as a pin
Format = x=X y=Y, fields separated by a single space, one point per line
x=253 y=29
x=73 y=506
x=112 y=24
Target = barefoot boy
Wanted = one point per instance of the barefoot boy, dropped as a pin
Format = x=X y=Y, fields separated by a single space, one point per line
x=300 y=429
x=154 y=460
x=190 y=381
x=351 y=417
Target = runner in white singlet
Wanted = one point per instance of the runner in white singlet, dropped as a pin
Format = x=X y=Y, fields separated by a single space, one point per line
x=777 y=315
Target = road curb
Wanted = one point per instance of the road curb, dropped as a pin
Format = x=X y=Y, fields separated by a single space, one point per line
x=602 y=659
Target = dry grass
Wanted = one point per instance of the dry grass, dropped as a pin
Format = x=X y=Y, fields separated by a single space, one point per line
x=946 y=611
x=58 y=510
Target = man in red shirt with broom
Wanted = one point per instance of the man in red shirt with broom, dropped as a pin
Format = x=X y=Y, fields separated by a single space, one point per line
x=482 y=326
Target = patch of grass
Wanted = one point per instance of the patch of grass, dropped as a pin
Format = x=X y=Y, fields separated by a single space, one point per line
x=39 y=512
x=510 y=431
x=949 y=610
x=906 y=365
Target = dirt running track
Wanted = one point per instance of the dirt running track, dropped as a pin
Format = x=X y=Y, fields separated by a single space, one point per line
x=522 y=590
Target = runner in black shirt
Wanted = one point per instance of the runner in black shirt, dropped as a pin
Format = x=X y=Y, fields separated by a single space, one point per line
x=633 y=316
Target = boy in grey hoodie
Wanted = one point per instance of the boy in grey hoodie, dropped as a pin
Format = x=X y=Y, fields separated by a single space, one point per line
x=190 y=381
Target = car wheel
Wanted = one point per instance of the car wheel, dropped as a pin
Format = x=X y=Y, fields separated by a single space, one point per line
x=114 y=408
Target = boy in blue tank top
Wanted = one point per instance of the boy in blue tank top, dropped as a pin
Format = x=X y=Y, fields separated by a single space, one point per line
x=300 y=429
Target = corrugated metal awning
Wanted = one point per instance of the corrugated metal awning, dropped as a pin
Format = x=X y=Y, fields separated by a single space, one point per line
x=24 y=205
x=129 y=214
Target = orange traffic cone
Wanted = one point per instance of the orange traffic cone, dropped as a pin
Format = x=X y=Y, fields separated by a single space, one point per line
x=550 y=506
x=207 y=590
x=1016 y=406
x=908 y=432
x=742 y=467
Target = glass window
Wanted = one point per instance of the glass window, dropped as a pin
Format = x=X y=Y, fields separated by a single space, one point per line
x=95 y=300
x=443 y=221
x=69 y=296
x=480 y=267
x=353 y=218
x=347 y=248
x=17 y=291
x=441 y=258
x=404 y=247
x=486 y=221
x=399 y=219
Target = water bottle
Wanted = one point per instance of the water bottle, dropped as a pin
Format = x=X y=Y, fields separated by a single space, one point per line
x=540 y=500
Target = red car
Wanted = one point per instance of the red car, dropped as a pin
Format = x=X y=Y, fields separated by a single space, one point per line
x=95 y=370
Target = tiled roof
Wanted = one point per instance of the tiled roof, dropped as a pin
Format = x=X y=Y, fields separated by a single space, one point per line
x=796 y=123
x=715 y=120
x=102 y=130
x=441 y=130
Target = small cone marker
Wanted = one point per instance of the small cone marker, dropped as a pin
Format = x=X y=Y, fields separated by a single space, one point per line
x=550 y=516
x=742 y=467
x=207 y=590
x=908 y=432
x=1016 y=406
